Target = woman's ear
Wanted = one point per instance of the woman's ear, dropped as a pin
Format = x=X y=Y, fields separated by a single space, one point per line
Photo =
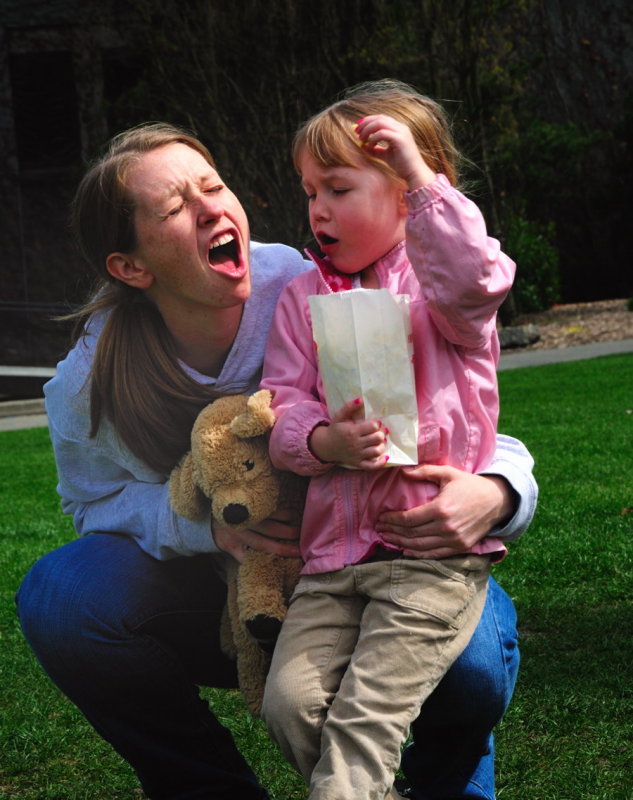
x=126 y=269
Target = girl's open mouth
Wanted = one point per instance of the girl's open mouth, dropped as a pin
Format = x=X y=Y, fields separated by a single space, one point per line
x=325 y=240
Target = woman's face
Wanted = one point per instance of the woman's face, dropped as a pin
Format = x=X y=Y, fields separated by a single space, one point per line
x=192 y=233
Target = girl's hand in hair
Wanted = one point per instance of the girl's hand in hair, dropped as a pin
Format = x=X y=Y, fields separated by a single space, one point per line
x=393 y=142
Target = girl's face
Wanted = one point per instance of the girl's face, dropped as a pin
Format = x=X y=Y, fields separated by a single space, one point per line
x=356 y=213
x=192 y=232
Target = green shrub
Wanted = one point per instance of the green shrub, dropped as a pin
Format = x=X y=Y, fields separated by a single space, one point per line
x=531 y=245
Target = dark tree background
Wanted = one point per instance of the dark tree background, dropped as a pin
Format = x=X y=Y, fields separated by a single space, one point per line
x=540 y=92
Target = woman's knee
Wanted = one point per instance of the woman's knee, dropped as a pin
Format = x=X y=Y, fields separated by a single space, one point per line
x=42 y=599
x=75 y=598
x=54 y=603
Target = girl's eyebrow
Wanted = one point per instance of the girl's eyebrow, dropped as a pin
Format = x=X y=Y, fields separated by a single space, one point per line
x=339 y=170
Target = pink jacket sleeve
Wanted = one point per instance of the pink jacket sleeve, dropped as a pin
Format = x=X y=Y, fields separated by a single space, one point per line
x=463 y=275
x=290 y=372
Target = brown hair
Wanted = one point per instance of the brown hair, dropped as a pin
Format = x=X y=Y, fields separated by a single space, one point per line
x=330 y=139
x=136 y=380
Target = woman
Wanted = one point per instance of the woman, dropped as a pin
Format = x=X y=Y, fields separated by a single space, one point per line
x=125 y=620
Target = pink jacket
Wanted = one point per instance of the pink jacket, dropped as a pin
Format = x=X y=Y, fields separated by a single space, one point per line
x=456 y=277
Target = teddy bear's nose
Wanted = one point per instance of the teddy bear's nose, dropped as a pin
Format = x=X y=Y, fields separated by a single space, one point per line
x=235 y=514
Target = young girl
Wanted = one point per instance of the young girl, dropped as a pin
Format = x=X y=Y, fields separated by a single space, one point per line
x=371 y=630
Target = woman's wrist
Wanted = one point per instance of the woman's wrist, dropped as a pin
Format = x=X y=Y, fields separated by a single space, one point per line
x=507 y=501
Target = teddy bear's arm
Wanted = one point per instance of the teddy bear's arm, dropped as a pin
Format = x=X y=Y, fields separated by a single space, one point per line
x=185 y=497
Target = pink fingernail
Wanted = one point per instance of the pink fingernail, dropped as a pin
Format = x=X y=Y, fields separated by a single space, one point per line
x=358 y=401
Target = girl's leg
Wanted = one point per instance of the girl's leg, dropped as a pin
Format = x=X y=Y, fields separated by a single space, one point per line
x=127 y=638
x=452 y=754
x=419 y=617
x=312 y=652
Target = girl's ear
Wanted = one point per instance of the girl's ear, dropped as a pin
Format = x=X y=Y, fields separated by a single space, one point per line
x=125 y=268
x=402 y=205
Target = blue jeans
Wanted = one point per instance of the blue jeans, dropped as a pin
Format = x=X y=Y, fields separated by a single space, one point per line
x=452 y=754
x=129 y=639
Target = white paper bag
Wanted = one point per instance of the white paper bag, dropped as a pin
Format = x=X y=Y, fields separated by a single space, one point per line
x=364 y=349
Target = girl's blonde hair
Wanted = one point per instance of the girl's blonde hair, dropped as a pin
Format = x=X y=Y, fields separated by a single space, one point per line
x=330 y=138
x=136 y=380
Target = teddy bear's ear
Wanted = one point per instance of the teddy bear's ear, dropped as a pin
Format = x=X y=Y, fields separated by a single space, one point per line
x=258 y=417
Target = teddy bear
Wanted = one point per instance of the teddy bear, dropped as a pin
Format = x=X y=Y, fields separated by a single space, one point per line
x=229 y=471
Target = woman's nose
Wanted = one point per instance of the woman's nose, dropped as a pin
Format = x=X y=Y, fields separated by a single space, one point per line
x=210 y=206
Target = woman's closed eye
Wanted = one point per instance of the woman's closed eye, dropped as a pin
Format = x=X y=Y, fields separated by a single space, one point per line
x=173 y=211
x=209 y=190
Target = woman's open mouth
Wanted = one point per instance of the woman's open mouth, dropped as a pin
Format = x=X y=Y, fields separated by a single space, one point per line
x=224 y=256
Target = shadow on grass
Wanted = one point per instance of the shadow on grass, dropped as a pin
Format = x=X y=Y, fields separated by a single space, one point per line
x=565 y=734
x=573 y=646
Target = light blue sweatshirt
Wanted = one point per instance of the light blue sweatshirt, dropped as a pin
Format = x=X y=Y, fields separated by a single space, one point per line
x=106 y=488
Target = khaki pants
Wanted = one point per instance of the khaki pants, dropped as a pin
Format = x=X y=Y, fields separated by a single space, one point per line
x=359 y=652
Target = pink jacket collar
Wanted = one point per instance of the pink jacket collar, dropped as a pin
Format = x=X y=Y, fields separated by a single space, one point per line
x=340 y=281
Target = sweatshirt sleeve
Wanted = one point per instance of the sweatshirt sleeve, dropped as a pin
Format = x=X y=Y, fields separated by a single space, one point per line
x=463 y=274
x=122 y=502
x=104 y=486
x=513 y=462
x=290 y=373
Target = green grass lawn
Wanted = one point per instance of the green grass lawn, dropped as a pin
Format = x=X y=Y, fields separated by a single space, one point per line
x=568 y=732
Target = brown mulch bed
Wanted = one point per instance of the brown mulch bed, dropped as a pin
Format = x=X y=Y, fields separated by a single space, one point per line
x=580 y=323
